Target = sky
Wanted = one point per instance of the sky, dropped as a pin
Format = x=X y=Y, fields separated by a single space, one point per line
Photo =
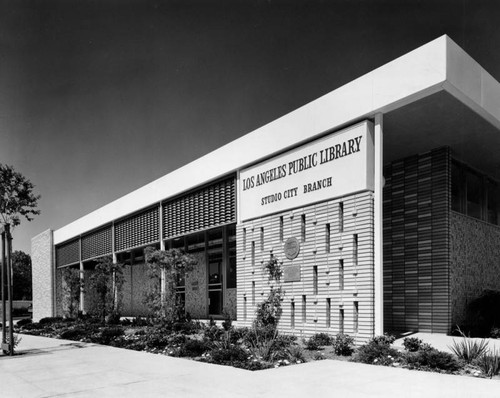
x=98 y=98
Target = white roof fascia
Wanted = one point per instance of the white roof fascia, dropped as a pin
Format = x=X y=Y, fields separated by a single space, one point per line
x=413 y=76
x=468 y=82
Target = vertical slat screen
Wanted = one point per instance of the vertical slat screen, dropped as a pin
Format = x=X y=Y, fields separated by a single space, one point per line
x=205 y=208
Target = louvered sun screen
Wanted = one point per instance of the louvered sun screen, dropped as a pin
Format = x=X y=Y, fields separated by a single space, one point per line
x=205 y=208
x=138 y=230
x=97 y=243
x=68 y=253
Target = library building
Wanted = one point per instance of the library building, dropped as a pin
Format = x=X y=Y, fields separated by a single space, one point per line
x=380 y=200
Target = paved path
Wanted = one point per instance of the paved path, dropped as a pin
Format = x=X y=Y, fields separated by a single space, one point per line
x=61 y=368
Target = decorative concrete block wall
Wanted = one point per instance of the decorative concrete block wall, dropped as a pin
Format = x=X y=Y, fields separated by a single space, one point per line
x=42 y=272
x=416 y=243
x=474 y=262
x=320 y=295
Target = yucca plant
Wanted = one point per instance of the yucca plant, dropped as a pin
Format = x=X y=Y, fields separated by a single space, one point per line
x=489 y=363
x=468 y=349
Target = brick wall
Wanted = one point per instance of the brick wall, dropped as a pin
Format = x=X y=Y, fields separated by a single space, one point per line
x=416 y=243
x=318 y=264
x=474 y=262
x=42 y=270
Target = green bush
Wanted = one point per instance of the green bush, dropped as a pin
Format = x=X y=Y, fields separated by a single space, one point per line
x=377 y=352
x=73 y=334
x=24 y=322
x=50 y=320
x=412 y=344
x=343 y=344
x=311 y=344
x=228 y=355
x=295 y=354
x=432 y=359
x=495 y=333
x=385 y=339
x=482 y=314
x=194 y=348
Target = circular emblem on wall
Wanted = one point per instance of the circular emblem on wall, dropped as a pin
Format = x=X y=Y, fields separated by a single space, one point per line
x=291 y=248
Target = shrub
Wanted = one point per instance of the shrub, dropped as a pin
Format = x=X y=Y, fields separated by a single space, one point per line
x=323 y=339
x=432 y=359
x=412 y=344
x=24 y=322
x=385 y=339
x=296 y=354
x=495 y=333
x=193 y=348
x=343 y=344
x=108 y=334
x=468 y=349
x=73 y=334
x=225 y=355
x=482 y=314
x=269 y=311
x=50 y=320
x=489 y=363
x=227 y=324
x=376 y=352
x=311 y=344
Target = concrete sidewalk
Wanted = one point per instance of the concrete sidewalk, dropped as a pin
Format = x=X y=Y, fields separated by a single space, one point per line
x=50 y=368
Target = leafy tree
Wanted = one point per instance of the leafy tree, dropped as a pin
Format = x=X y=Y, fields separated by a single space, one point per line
x=16 y=197
x=107 y=282
x=21 y=265
x=71 y=291
x=167 y=267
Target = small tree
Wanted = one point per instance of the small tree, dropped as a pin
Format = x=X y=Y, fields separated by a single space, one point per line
x=16 y=200
x=106 y=282
x=269 y=311
x=21 y=266
x=16 y=197
x=72 y=283
x=166 y=268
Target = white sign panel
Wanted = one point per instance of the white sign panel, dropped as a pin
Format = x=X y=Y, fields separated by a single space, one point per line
x=333 y=166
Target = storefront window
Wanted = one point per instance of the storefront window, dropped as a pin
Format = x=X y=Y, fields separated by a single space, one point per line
x=474 y=194
x=493 y=199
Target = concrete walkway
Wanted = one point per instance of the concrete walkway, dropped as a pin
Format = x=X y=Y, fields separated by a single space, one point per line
x=61 y=368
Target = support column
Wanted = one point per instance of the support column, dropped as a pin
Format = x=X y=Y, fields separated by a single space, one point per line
x=378 y=226
x=82 y=288
x=163 y=288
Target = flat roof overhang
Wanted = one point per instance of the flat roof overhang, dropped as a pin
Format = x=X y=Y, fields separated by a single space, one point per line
x=433 y=96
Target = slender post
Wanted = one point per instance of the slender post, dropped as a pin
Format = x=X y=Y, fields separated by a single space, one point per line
x=4 y=313
x=9 y=288
x=378 y=222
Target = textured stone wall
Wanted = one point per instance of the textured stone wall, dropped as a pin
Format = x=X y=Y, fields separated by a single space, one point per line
x=317 y=265
x=475 y=262
x=134 y=288
x=230 y=303
x=196 y=288
x=42 y=271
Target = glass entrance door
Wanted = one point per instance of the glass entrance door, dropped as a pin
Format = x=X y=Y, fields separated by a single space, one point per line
x=215 y=272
